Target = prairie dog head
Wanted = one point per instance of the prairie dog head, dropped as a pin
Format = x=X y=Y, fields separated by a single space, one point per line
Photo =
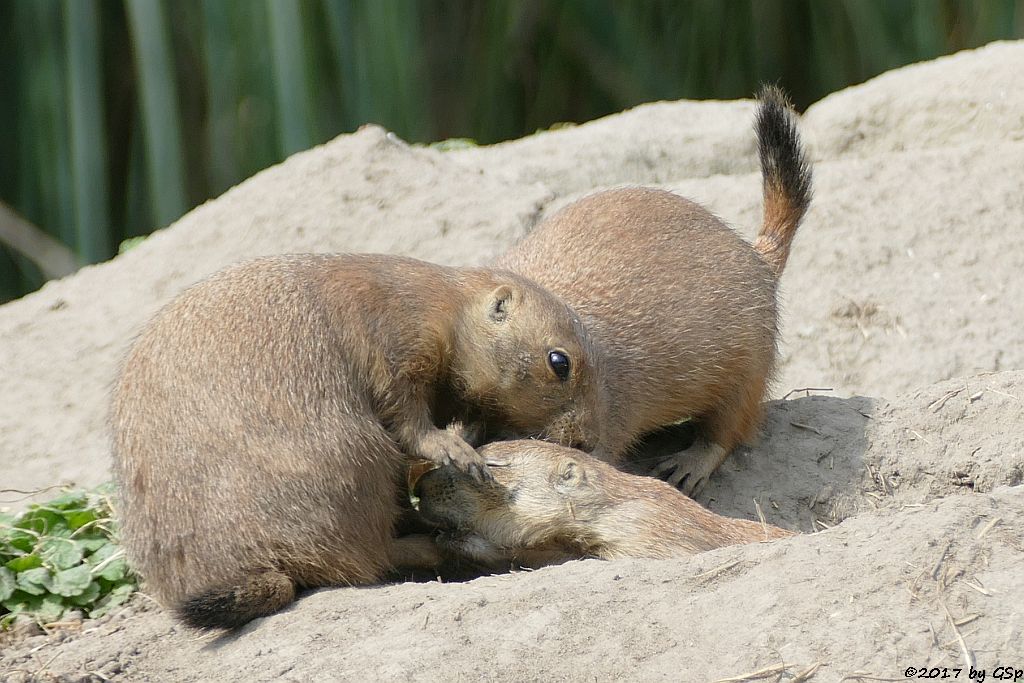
x=524 y=357
x=543 y=495
x=550 y=500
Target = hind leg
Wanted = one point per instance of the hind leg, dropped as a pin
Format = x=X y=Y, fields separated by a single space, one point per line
x=731 y=424
x=416 y=551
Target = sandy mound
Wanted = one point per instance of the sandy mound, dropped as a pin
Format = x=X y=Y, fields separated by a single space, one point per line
x=904 y=283
x=928 y=529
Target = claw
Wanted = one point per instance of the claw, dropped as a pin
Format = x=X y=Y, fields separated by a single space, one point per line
x=690 y=470
x=665 y=468
x=481 y=474
x=678 y=478
x=697 y=488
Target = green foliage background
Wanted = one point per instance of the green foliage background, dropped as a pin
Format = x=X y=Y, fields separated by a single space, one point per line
x=120 y=115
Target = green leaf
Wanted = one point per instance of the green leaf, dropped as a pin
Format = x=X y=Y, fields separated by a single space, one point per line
x=130 y=243
x=91 y=544
x=8 y=583
x=21 y=540
x=452 y=144
x=103 y=552
x=50 y=609
x=114 y=570
x=35 y=581
x=79 y=518
x=72 y=582
x=116 y=597
x=60 y=553
x=22 y=602
x=88 y=596
x=40 y=520
x=67 y=501
x=25 y=562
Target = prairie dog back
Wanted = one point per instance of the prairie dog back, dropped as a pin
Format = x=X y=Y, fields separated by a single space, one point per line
x=682 y=311
x=262 y=420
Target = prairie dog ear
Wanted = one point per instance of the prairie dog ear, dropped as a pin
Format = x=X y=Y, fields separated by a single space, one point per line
x=500 y=304
x=570 y=474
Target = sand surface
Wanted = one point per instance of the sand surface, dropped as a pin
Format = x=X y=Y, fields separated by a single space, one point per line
x=905 y=285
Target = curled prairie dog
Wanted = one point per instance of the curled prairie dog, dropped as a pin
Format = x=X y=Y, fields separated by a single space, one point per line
x=681 y=309
x=262 y=420
x=549 y=504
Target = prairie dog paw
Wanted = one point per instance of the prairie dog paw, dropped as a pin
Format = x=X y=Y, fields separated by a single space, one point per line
x=690 y=470
x=443 y=447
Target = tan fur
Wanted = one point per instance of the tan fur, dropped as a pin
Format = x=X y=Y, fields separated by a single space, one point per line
x=681 y=309
x=553 y=503
x=262 y=420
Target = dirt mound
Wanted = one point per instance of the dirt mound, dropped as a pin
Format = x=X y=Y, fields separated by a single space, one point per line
x=870 y=594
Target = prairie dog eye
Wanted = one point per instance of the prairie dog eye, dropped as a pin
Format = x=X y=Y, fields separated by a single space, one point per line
x=558 y=360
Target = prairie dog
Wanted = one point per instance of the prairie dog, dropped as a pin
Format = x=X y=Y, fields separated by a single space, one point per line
x=262 y=420
x=549 y=504
x=682 y=311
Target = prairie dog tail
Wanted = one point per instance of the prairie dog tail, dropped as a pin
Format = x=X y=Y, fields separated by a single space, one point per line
x=785 y=173
x=230 y=607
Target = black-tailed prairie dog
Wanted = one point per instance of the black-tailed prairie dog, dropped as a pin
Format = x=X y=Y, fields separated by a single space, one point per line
x=681 y=310
x=549 y=504
x=262 y=420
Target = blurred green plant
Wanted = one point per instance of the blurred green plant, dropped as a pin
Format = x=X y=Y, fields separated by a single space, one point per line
x=61 y=556
x=123 y=114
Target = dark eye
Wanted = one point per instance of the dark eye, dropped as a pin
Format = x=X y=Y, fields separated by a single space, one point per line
x=559 y=362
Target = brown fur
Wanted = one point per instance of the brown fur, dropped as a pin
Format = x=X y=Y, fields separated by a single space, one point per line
x=262 y=420
x=681 y=309
x=552 y=503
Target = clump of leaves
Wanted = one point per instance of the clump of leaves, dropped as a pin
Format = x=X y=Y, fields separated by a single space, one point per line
x=60 y=556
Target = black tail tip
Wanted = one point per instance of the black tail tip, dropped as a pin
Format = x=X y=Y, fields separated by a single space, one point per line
x=257 y=595
x=773 y=97
x=784 y=163
x=216 y=609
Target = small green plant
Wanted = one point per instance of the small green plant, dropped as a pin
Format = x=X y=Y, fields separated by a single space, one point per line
x=60 y=556
x=452 y=144
x=130 y=243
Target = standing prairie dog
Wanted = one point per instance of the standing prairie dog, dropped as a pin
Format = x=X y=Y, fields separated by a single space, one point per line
x=549 y=504
x=681 y=310
x=262 y=420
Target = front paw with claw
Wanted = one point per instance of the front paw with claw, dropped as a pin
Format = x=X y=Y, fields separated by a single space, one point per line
x=690 y=470
x=445 y=448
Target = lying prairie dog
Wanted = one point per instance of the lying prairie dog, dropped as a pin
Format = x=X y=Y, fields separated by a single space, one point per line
x=263 y=420
x=682 y=310
x=549 y=504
